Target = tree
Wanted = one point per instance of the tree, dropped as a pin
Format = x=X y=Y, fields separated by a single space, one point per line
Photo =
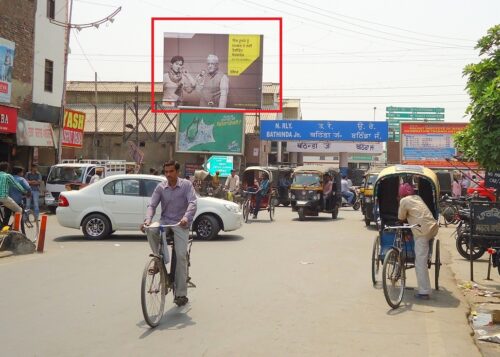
x=480 y=141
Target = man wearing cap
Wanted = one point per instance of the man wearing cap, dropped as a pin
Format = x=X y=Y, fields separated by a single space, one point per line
x=414 y=210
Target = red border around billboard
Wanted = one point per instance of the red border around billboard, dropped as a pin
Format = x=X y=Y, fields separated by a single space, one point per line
x=280 y=22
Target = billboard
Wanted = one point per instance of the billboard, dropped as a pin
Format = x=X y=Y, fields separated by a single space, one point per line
x=7 y=50
x=323 y=130
x=8 y=119
x=73 y=127
x=212 y=70
x=217 y=133
x=34 y=133
x=429 y=144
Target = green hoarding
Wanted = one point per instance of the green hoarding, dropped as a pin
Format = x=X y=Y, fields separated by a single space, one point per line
x=217 y=133
x=414 y=109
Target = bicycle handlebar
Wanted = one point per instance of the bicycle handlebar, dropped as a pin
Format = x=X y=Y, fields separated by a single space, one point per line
x=405 y=226
x=161 y=226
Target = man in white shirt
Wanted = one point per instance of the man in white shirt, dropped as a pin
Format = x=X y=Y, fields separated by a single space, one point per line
x=346 y=189
x=232 y=185
x=96 y=177
x=414 y=210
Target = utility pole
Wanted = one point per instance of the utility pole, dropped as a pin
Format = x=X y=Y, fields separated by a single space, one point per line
x=95 y=118
x=374 y=111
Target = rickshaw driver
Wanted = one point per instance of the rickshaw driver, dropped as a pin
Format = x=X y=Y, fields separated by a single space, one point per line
x=413 y=209
x=261 y=192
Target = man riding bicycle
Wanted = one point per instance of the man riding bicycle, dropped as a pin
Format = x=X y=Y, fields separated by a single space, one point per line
x=178 y=205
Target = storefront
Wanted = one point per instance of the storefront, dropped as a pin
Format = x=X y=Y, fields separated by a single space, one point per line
x=8 y=125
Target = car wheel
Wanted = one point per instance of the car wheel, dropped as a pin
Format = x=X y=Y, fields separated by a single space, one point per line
x=96 y=226
x=207 y=227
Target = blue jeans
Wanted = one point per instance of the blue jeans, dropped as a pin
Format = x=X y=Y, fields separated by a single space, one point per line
x=35 y=197
x=258 y=199
x=348 y=195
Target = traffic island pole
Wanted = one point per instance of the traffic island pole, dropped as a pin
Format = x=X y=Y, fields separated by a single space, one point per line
x=41 y=235
x=17 y=221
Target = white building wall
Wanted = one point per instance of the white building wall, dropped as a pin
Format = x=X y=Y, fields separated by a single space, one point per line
x=49 y=44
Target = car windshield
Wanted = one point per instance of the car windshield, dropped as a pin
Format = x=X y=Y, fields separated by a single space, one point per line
x=62 y=175
x=307 y=179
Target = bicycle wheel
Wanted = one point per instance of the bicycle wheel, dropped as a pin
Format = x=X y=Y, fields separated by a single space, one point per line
x=30 y=225
x=437 y=265
x=271 y=210
x=394 y=278
x=153 y=290
x=246 y=210
x=376 y=261
x=462 y=245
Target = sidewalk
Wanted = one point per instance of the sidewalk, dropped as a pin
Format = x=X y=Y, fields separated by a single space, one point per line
x=482 y=295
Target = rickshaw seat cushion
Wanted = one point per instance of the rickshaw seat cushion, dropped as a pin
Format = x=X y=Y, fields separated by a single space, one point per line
x=387 y=241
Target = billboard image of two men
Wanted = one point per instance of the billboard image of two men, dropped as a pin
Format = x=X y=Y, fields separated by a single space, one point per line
x=212 y=71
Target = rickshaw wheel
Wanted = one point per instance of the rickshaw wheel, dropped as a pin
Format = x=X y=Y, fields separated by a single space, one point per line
x=394 y=278
x=356 y=206
x=302 y=215
x=246 y=210
x=376 y=260
x=437 y=265
x=463 y=248
x=335 y=212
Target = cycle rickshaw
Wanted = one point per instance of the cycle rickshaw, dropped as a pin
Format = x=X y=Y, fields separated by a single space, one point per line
x=393 y=249
x=250 y=185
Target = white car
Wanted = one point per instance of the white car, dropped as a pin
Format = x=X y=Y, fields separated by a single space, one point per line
x=118 y=203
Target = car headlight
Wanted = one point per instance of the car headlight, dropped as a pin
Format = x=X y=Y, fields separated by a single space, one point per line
x=368 y=199
x=292 y=196
x=232 y=208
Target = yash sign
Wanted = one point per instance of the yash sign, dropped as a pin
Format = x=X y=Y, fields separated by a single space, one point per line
x=8 y=119
x=74 y=125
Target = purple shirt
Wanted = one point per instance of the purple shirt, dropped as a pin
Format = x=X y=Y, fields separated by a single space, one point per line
x=176 y=202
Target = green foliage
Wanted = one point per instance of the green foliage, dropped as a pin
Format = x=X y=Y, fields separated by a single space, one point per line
x=480 y=141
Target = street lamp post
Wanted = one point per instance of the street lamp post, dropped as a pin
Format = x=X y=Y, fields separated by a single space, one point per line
x=374 y=111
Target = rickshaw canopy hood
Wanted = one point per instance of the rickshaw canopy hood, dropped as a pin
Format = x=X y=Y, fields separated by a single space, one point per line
x=315 y=168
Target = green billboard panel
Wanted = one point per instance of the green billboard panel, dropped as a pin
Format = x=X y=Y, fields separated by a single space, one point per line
x=414 y=115
x=414 y=109
x=217 y=133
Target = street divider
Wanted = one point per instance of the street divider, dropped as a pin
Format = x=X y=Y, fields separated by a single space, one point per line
x=41 y=234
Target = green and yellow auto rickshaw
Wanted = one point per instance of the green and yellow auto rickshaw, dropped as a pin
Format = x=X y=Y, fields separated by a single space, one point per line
x=367 y=196
x=306 y=192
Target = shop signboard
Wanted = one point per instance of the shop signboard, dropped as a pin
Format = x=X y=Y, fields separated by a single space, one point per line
x=8 y=119
x=73 y=128
x=214 y=133
x=34 y=133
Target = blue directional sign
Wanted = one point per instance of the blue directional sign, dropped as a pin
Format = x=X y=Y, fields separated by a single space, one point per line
x=323 y=130
x=223 y=164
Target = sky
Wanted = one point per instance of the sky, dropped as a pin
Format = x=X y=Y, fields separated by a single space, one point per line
x=345 y=60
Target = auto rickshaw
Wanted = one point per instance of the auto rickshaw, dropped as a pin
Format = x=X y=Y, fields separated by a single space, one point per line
x=367 y=196
x=393 y=249
x=250 y=184
x=306 y=191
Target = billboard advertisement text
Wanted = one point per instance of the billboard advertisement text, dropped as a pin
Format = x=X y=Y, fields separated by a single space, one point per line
x=7 y=49
x=73 y=128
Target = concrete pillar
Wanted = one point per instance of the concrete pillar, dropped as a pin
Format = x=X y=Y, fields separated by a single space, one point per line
x=263 y=152
x=279 y=158
x=343 y=162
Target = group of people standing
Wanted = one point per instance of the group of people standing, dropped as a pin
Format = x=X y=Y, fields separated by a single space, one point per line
x=461 y=183
x=16 y=186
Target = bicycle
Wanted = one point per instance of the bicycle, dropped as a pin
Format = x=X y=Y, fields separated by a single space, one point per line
x=157 y=281
x=401 y=257
x=29 y=224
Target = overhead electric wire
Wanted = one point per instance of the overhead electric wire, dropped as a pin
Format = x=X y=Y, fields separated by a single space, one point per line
x=379 y=24
x=314 y=22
